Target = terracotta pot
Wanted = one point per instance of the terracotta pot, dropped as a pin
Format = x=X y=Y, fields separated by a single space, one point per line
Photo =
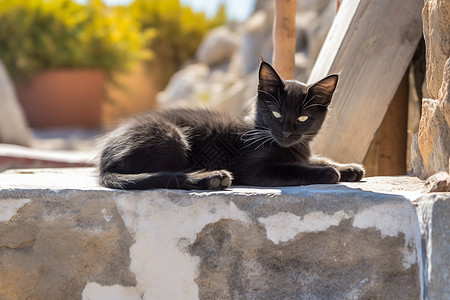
x=64 y=98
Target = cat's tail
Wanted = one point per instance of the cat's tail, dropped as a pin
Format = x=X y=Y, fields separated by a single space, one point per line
x=205 y=180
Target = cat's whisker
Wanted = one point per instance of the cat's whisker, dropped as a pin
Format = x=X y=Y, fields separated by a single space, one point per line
x=271 y=140
x=256 y=140
x=307 y=102
x=277 y=101
x=254 y=133
x=253 y=136
x=263 y=142
x=317 y=104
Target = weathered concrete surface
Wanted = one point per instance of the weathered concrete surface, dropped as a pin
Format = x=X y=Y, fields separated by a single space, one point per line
x=433 y=211
x=64 y=237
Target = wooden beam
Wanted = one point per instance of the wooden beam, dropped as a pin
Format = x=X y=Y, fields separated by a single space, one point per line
x=387 y=153
x=284 y=36
x=371 y=44
x=393 y=131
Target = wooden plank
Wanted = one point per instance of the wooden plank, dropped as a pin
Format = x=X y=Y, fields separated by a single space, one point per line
x=393 y=131
x=370 y=44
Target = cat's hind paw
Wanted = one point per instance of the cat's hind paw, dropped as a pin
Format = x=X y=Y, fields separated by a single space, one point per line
x=351 y=172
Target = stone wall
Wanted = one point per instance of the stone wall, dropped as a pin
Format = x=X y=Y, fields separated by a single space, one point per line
x=64 y=237
x=431 y=146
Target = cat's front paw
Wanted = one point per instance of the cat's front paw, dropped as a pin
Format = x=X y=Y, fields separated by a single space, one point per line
x=330 y=175
x=210 y=180
x=218 y=180
x=324 y=175
x=352 y=172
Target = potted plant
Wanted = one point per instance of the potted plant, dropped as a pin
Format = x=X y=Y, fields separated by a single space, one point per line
x=60 y=53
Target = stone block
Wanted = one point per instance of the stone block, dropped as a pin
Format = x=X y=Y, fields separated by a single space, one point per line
x=433 y=211
x=64 y=237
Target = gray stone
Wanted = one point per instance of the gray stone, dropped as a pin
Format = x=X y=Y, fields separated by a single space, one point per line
x=433 y=211
x=218 y=46
x=62 y=236
x=184 y=86
x=256 y=41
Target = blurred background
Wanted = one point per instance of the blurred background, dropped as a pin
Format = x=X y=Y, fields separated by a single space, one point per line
x=72 y=69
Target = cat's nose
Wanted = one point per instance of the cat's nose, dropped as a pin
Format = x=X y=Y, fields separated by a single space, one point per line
x=286 y=134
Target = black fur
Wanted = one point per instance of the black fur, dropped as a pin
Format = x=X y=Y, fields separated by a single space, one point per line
x=203 y=149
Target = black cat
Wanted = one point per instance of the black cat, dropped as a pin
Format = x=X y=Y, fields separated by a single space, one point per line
x=203 y=149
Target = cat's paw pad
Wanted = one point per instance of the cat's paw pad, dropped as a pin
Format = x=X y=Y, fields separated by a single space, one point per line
x=219 y=180
x=352 y=172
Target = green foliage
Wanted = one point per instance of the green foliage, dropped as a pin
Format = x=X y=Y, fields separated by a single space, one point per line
x=46 y=34
x=39 y=35
x=176 y=31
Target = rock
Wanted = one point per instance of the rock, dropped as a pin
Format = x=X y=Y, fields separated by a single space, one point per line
x=218 y=46
x=436 y=28
x=256 y=41
x=430 y=150
x=13 y=126
x=439 y=182
x=64 y=237
x=199 y=86
x=444 y=92
x=433 y=211
x=184 y=85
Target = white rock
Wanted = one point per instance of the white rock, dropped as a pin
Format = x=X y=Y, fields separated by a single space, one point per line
x=218 y=46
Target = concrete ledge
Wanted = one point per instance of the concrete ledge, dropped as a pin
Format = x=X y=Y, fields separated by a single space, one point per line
x=434 y=219
x=64 y=237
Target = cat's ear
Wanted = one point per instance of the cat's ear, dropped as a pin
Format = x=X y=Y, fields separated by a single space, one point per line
x=323 y=90
x=269 y=80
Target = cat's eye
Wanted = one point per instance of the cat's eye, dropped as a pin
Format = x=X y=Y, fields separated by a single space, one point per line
x=302 y=118
x=276 y=114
